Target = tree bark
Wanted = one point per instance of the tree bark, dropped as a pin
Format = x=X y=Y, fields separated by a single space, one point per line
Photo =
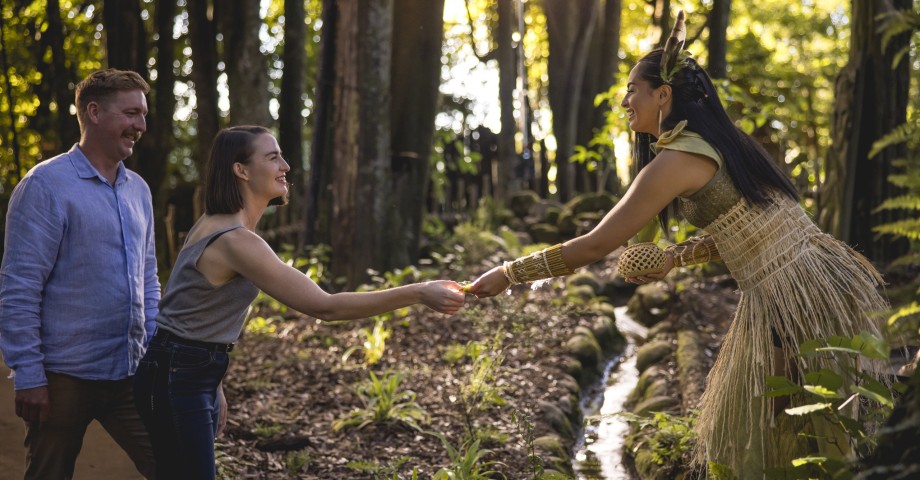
x=247 y=68
x=361 y=138
x=507 y=80
x=418 y=30
x=570 y=25
x=718 y=41
x=871 y=101
x=319 y=189
x=291 y=121
x=203 y=38
x=60 y=78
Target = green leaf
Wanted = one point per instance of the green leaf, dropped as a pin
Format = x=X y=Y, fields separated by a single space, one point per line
x=821 y=391
x=798 y=462
x=806 y=409
x=871 y=346
x=826 y=378
x=874 y=396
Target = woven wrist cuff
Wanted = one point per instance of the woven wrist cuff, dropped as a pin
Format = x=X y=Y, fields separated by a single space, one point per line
x=694 y=251
x=546 y=263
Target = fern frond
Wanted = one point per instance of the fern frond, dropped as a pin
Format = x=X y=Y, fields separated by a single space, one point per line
x=895 y=23
x=909 y=228
x=907 y=202
x=910 y=181
x=901 y=134
x=906 y=260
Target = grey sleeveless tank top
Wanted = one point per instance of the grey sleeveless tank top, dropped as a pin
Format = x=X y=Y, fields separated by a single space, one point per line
x=194 y=309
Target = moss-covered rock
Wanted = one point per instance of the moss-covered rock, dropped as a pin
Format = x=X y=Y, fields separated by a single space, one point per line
x=522 y=201
x=692 y=365
x=652 y=353
x=608 y=337
x=566 y=224
x=583 y=292
x=544 y=233
x=650 y=303
x=557 y=420
x=553 y=445
x=570 y=385
x=660 y=329
x=661 y=403
x=591 y=202
x=586 y=278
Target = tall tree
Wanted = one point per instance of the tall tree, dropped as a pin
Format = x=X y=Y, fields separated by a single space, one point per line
x=871 y=99
x=60 y=128
x=361 y=181
x=247 y=68
x=570 y=26
x=290 y=118
x=601 y=69
x=418 y=31
x=507 y=79
x=126 y=37
x=202 y=28
x=319 y=198
x=718 y=38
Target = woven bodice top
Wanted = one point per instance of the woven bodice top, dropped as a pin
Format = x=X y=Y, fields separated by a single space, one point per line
x=718 y=195
x=753 y=241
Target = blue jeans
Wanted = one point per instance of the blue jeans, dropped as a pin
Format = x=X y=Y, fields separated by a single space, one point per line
x=175 y=390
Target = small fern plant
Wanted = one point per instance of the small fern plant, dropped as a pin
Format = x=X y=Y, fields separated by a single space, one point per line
x=384 y=403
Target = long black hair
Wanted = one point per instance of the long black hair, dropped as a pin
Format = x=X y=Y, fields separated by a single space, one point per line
x=694 y=99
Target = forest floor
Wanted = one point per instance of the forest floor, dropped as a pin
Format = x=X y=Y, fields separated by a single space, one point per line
x=286 y=389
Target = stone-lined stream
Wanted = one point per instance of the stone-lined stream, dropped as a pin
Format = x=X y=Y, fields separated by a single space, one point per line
x=599 y=453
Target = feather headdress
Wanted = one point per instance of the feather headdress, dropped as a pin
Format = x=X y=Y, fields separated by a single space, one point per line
x=674 y=57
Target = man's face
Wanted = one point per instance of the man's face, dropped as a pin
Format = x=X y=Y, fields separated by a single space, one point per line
x=120 y=122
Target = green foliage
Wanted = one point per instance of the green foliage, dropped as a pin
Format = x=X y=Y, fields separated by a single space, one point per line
x=906 y=319
x=267 y=430
x=383 y=403
x=670 y=437
x=262 y=326
x=830 y=393
x=296 y=461
x=390 y=471
x=467 y=462
x=374 y=344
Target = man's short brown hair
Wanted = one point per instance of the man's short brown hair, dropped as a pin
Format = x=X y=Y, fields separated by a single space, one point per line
x=102 y=84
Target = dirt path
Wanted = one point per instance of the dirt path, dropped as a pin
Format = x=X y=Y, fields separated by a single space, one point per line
x=101 y=458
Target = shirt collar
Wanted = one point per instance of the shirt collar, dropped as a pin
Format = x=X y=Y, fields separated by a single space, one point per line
x=669 y=136
x=87 y=170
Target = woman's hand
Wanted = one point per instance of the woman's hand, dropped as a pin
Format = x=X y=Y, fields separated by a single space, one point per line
x=443 y=296
x=654 y=277
x=490 y=283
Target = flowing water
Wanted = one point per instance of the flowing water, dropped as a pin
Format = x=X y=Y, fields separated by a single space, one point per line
x=599 y=453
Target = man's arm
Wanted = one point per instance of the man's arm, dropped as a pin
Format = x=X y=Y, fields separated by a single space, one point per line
x=151 y=281
x=34 y=230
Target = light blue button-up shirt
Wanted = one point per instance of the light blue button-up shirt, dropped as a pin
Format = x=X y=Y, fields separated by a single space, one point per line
x=78 y=285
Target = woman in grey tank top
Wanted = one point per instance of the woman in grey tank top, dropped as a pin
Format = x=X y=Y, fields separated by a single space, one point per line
x=217 y=274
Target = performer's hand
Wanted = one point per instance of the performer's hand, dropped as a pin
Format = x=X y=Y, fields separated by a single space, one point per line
x=444 y=296
x=33 y=404
x=490 y=283
x=654 y=277
x=222 y=415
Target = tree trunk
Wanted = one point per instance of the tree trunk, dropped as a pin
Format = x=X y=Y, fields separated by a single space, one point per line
x=418 y=28
x=570 y=25
x=507 y=79
x=871 y=101
x=600 y=74
x=718 y=38
x=125 y=35
x=203 y=38
x=247 y=69
x=319 y=190
x=291 y=121
x=361 y=138
x=67 y=130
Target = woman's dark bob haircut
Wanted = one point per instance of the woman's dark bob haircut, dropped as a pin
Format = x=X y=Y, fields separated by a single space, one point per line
x=231 y=145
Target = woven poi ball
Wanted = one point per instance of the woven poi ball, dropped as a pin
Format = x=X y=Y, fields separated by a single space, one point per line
x=641 y=259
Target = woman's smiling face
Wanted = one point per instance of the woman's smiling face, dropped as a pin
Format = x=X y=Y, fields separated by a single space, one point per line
x=642 y=104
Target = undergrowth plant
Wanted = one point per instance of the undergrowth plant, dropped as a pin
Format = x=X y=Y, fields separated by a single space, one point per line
x=384 y=403
x=835 y=397
x=467 y=462
x=373 y=346
x=389 y=471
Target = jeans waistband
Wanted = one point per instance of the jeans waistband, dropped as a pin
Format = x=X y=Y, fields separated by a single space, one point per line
x=167 y=336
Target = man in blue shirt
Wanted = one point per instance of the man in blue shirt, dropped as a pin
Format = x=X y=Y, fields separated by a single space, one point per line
x=78 y=284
